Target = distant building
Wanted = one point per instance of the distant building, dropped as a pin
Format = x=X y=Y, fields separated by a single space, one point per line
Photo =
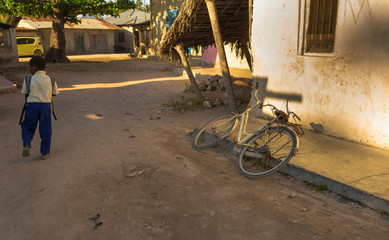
x=163 y=14
x=8 y=48
x=135 y=37
x=89 y=37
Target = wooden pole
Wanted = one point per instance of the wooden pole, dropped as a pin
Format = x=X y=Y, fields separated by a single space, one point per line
x=247 y=54
x=184 y=60
x=250 y=33
x=211 y=6
x=250 y=19
x=140 y=40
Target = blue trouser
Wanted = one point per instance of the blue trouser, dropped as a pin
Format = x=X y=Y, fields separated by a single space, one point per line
x=37 y=112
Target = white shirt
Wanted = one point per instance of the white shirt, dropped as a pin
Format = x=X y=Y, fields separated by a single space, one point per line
x=40 y=88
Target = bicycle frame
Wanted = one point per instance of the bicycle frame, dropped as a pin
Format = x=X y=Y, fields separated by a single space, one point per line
x=281 y=118
x=243 y=118
x=243 y=136
x=262 y=151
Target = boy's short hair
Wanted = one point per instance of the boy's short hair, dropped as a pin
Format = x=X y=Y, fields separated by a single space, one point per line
x=38 y=62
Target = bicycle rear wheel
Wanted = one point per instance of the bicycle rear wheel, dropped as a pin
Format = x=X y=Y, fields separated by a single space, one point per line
x=267 y=152
x=214 y=131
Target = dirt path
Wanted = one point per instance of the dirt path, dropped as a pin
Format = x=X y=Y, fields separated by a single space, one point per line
x=117 y=151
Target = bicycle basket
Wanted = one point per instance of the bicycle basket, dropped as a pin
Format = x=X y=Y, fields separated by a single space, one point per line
x=298 y=128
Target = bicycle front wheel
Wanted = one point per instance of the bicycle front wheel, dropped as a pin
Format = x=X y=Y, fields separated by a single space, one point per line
x=214 y=131
x=267 y=152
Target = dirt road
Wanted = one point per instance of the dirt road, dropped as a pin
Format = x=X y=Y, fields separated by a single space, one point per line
x=119 y=153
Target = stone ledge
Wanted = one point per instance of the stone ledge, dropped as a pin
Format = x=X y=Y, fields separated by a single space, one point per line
x=6 y=86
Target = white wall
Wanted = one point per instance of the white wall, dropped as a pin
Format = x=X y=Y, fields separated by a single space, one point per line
x=233 y=61
x=346 y=92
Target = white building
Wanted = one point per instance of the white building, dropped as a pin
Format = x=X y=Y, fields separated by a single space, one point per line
x=135 y=37
x=88 y=37
x=331 y=57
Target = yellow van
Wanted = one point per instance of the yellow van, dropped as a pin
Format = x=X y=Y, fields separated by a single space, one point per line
x=29 y=46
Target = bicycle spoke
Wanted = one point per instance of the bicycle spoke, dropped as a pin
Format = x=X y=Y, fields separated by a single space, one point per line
x=261 y=164
x=214 y=131
x=206 y=138
x=281 y=147
x=280 y=157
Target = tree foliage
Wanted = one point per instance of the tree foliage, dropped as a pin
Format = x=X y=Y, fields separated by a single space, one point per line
x=10 y=20
x=62 y=11
x=69 y=8
x=142 y=7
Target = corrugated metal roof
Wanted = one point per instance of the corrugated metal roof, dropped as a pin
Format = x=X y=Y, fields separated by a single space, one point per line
x=23 y=28
x=86 y=23
x=147 y=23
x=129 y=17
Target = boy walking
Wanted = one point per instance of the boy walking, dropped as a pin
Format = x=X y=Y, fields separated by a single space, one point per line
x=41 y=90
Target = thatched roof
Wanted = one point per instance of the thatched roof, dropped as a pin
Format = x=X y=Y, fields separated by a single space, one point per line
x=193 y=28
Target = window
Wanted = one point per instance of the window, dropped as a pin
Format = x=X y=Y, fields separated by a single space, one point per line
x=30 y=41
x=319 y=26
x=122 y=38
x=21 y=41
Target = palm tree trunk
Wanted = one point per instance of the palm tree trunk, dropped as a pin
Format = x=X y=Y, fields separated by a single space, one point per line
x=184 y=60
x=221 y=52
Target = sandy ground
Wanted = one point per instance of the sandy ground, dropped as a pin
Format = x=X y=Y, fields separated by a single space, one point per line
x=120 y=152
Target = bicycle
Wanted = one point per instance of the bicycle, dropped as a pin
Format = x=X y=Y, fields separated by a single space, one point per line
x=263 y=151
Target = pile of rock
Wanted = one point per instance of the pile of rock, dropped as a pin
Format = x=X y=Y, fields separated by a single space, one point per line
x=214 y=89
x=214 y=83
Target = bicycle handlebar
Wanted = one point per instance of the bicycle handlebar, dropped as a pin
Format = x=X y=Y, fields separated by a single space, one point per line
x=256 y=95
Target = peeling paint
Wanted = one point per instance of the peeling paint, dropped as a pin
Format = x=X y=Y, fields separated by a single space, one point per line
x=345 y=91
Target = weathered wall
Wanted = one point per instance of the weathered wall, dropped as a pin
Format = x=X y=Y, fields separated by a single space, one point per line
x=345 y=94
x=45 y=38
x=88 y=34
x=70 y=35
x=9 y=51
x=128 y=45
x=209 y=56
x=159 y=9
